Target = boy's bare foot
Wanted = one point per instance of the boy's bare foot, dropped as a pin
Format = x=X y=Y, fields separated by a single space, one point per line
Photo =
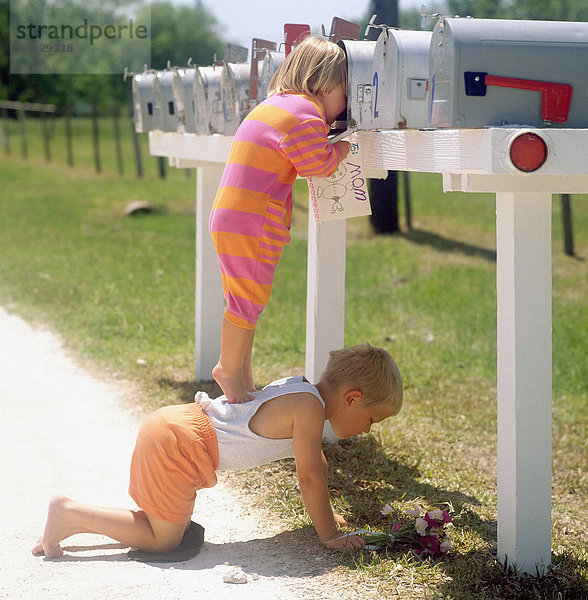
x=56 y=529
x=232 y=384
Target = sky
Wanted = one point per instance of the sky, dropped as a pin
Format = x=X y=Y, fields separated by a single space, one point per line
x=242 y=20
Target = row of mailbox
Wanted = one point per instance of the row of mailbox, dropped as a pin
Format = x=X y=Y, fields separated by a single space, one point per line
x=201 y=100
x=465 y=73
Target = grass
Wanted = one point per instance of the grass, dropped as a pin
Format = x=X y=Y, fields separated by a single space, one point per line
x=120 y=289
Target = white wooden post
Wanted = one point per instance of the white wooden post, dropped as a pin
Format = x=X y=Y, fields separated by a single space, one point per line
x=209 y=302
x=325 y=293
x=523 y=229
x=325 y=298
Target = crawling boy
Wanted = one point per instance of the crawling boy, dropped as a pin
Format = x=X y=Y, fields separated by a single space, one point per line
x=179 y=448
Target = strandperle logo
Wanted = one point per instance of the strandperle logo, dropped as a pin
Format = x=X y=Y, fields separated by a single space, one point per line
x=85 y=31
x=79 y=37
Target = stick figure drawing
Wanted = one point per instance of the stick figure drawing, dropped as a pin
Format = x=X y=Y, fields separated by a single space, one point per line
x=336 y=190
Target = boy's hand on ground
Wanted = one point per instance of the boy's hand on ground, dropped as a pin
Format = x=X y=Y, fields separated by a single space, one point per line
x=341 y=541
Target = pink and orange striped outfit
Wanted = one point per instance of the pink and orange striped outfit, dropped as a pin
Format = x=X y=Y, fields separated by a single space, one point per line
x=283 y=136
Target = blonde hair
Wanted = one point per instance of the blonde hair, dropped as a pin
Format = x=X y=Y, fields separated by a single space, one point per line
x=314 y=66
x=369 y=369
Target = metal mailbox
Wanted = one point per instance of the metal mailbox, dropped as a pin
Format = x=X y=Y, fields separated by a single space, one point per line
x=401 y=80
x=208 y=106
x=235 y=95
x=491 y=72
x=259 y=49
x=143 y=101
x=360 y=87
x=183 y=88
x=271 y=62
x=165 y=116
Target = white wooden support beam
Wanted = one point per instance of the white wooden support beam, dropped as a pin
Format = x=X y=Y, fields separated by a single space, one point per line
x=209 y=301
x=325 y=297
x=523 y=229
x=325 y=293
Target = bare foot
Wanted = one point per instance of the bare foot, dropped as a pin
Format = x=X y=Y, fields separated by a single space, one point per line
x=56 y=529
x=232 y=384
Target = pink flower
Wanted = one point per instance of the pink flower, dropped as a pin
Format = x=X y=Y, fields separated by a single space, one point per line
x=413 y=512
x=445 y=547
x=430 y=520
x=433 y=545
x=396 y=527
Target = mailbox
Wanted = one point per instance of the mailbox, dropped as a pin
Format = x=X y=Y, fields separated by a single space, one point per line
x=143 y=101
x=271 y=62
x=208 y=107
x=360 y=88
x=259 y=50
x=491 y=72
x=183 y=88
x=401 y=80
x=235 y=95
x=164 y=111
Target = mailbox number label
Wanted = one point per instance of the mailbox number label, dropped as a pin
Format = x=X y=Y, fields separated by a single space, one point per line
x=375 y=84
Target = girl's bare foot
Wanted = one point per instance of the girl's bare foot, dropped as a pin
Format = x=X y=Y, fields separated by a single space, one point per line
x=232 y=384
x=57 y=528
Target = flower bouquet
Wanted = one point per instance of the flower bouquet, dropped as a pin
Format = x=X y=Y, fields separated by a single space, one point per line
x=425 y=536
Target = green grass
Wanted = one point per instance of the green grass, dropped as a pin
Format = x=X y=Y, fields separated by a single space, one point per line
x=119 y=289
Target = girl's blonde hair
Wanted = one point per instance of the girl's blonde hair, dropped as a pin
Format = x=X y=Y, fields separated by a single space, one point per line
x=369 y=369
x=314 y=66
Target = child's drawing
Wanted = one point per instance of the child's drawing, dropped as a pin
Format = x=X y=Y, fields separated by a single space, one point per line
x=336 y=190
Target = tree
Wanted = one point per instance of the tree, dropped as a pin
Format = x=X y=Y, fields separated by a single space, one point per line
x=176 y=34
x=182 y=32
x=544 y=10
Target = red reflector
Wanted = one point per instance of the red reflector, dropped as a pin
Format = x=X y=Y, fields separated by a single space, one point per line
x=528 y=152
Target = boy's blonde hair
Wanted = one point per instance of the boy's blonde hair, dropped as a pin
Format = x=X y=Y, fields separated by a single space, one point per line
x=314 y=66
x=369 y=369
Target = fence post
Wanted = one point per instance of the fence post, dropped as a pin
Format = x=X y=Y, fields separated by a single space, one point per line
x=46 y=131
x=6 y=136
x=21 y=117
x=117 y=144
x=407 y=204
x=161 y=166
x=137 y=147
x=68 y=138
x=566 y=215
x=95 y=136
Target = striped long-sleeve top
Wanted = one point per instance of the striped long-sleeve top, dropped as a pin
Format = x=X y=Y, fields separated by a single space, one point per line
x=284 y=136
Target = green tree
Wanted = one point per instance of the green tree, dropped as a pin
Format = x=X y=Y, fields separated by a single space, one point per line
x=548 y=10
x=545 y=10
x=182 y=32
x=177 y=33
x=488 y=9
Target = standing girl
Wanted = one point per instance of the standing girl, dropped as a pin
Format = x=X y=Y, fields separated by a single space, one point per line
x=284 y=136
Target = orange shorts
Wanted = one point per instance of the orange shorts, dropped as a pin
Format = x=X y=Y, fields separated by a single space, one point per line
x=175 y=455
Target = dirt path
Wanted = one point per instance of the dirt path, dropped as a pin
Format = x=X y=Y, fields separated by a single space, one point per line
x=63 y=431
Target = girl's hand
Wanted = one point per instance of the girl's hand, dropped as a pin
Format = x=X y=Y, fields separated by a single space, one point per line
x=343 y=148
x=340 y=541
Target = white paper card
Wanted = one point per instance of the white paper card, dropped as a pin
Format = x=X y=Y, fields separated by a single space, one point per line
x=344 y=194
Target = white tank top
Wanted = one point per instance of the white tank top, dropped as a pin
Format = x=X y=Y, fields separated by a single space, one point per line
x=238 y=446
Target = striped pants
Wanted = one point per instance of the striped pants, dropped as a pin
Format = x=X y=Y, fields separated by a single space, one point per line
x=249 y=245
